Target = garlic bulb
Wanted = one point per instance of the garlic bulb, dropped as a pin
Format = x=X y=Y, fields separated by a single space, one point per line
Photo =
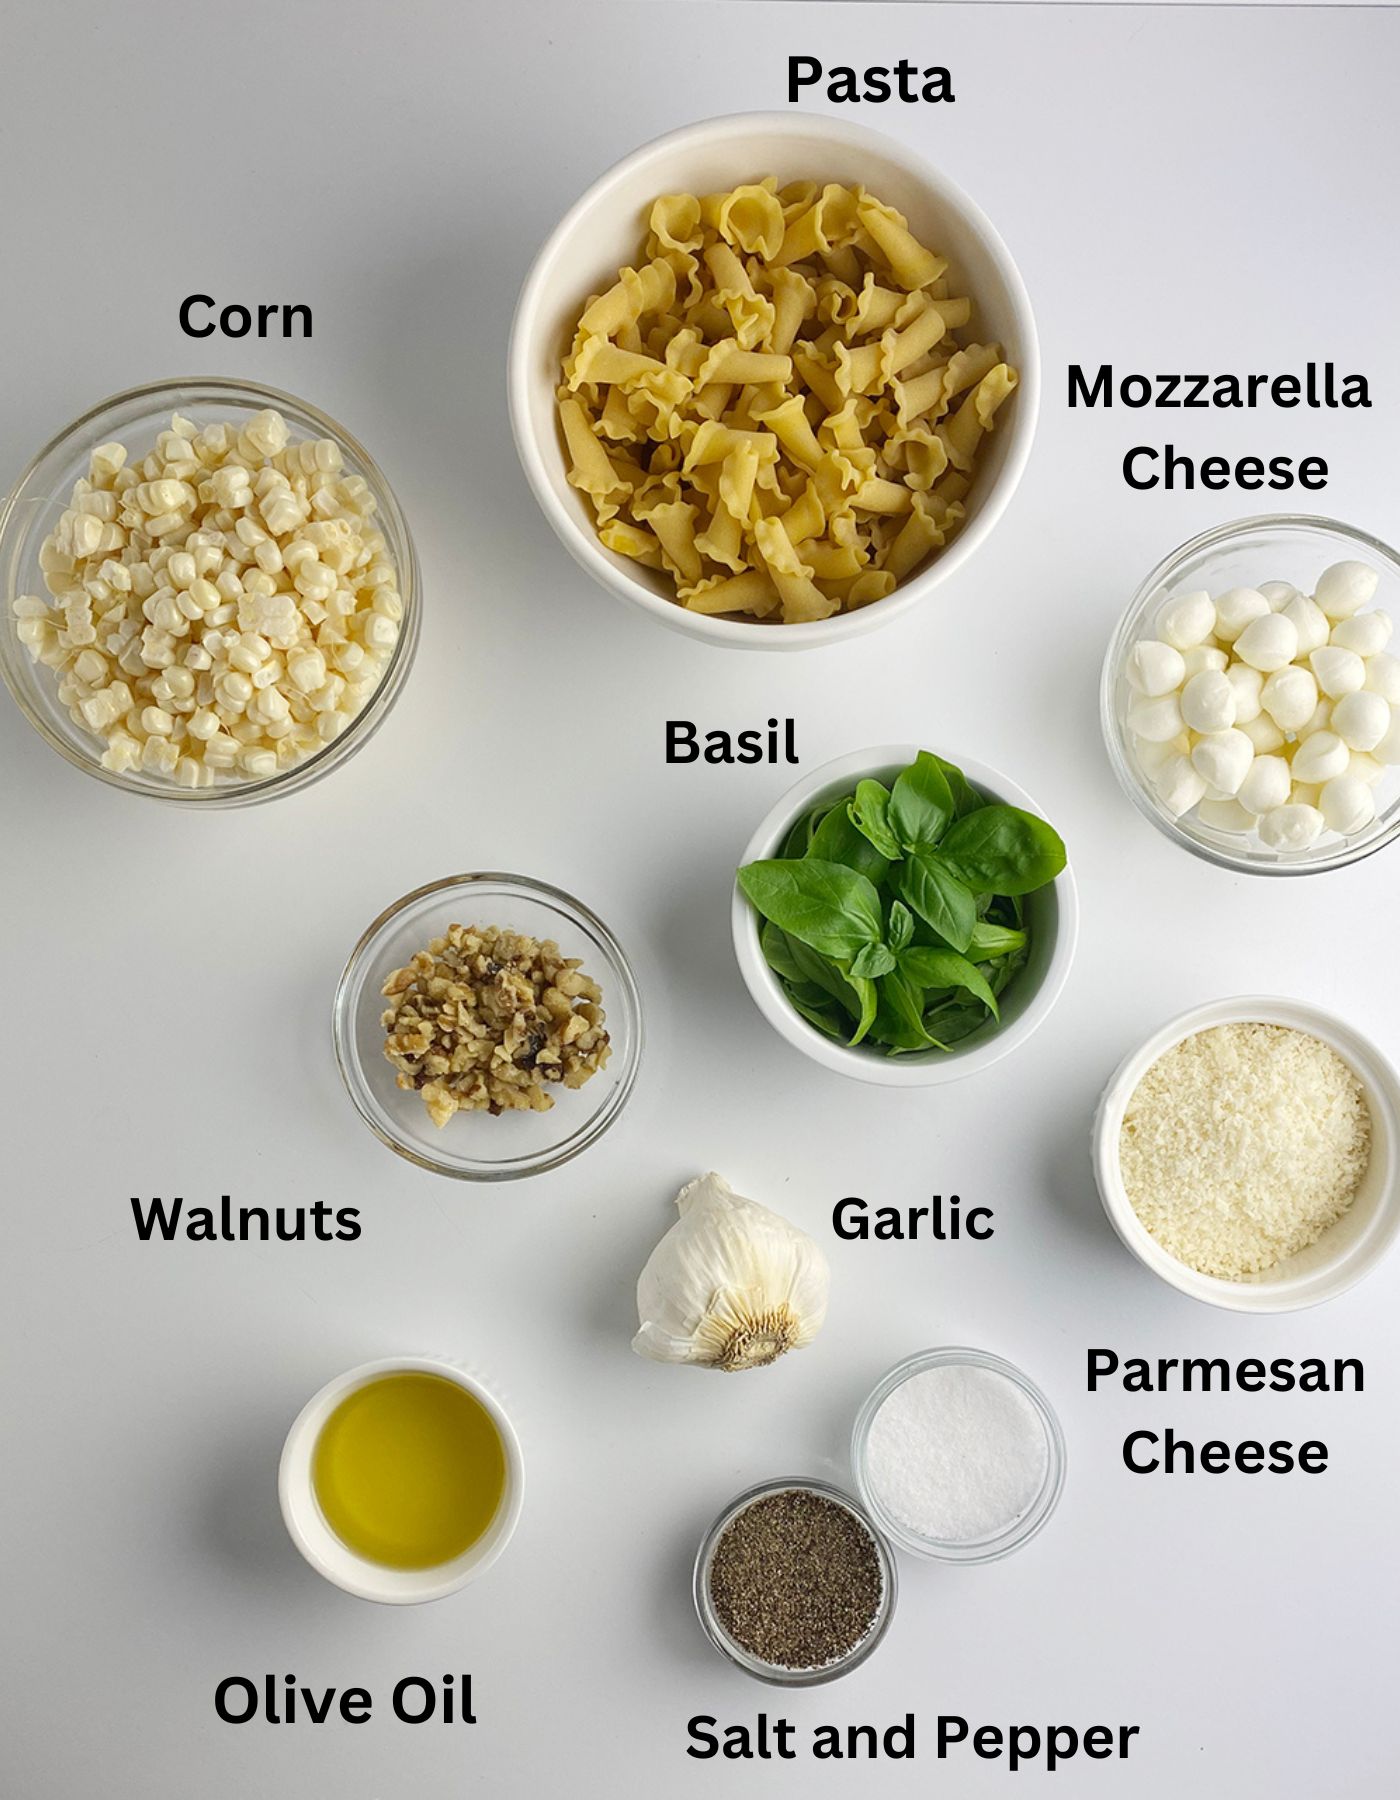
x=731 y=1285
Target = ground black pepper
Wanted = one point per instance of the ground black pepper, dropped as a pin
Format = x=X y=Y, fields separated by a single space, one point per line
x=796 y=1580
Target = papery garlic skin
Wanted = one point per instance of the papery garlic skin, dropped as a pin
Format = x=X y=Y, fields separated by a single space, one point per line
x=731 y=1285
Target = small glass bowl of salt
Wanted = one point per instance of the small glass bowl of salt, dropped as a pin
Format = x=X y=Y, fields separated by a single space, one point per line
x=958 y=1456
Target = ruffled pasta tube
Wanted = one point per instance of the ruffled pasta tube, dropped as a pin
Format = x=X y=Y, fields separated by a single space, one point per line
x=673 y=521
x=728 y=361
x=911 y=264
x=828 y=223
x=962 y=433
x=794 y=300
x=919 y=534
x=589 y=467
x=675 y=222
x=636 y=291
x=790 y=425
x=752 y=592
x=900 y=348
x=749 y=217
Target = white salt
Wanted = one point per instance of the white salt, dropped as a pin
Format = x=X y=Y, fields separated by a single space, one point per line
x=957 y=1454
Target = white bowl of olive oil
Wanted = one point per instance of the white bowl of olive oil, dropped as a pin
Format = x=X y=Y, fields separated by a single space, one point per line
x=401 y=1480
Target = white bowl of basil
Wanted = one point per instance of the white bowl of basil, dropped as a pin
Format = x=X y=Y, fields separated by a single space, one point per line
x=905 y=917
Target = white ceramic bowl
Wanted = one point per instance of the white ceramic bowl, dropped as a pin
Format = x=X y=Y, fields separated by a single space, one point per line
x=601 y=233
x=1052 y=913
x=1346 y=1252
x=330 y=1557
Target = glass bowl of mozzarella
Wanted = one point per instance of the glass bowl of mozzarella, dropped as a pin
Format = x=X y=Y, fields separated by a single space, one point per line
x=1250 y=696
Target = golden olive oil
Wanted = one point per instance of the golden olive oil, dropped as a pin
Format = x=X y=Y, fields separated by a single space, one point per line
x=409 y=1470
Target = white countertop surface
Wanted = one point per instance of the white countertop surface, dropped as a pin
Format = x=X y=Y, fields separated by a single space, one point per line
x=1183 y=188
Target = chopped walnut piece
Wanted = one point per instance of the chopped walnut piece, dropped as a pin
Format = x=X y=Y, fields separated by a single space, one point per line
x=483 y=1018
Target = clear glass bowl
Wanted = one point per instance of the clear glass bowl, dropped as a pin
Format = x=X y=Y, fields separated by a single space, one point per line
x=970 y=1550
x=40 y=495
x=475 y=1146
x=745 y=1659
x=1286 y=547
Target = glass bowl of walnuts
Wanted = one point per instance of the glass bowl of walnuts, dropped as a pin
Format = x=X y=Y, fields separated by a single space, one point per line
x=488 y=1026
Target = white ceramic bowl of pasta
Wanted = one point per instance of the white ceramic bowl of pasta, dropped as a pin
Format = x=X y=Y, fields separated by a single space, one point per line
x=1052 y=915
x=602 y=233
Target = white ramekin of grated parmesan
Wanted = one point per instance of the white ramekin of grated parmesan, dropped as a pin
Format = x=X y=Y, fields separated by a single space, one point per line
x=1247 y=1153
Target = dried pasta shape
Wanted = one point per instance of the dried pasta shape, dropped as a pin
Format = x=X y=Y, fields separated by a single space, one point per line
x=794 y=301
x=962 y=431
x=790 y=425
x=911 y=264
x=627 y=539
x=752 y=592
x=750 y=218
x=722 y=540
x=750 y=314
x=675 y=222
x=828 y=223
x=590 y=468
x=919 y=534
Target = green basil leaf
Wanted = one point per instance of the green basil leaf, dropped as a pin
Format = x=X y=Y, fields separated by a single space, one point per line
x=869 y=812
x=966 y=799
x=825 y=905
x=900 y=927
x=990 y=941
x=938 y=897
x=826 y=1017
x=777 y=952
x=954 y=1020
x=1002 y=850
x=899 y=1019
x=869 y=1001
x=871 y=961
x=838 y=840
x=921 y=805
x=820 y=972
x=946 y=969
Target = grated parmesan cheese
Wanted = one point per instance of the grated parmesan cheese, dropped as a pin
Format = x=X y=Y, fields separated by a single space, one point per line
x=1241 y=1145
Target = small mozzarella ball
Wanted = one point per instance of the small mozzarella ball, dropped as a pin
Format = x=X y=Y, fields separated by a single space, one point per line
x=1361 y=720
x=1320 y=720
x=1267 y=643
x=1156 y=720
x=1305 y=793
x=1383 y=676
x=1179 y=785
x=1150 y=757
x=1388 y=750
x=1277 y=593
x=1320 y=757
x=1203 y=656
x=1154 y=668
x=1367 y=634
x=1249 y=687
x=1223 y=759
x=1291 y=827
x=1186 y=620
x=1345 y=588
x=1347 y=805
x=1338 y=671
x=1225 y=815
x=1365 y=768
x=1262 y=733
x=1267 y=785
x=1208 y=702
x=1309 y=621
x=1235 y=609
x=1289 y=697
